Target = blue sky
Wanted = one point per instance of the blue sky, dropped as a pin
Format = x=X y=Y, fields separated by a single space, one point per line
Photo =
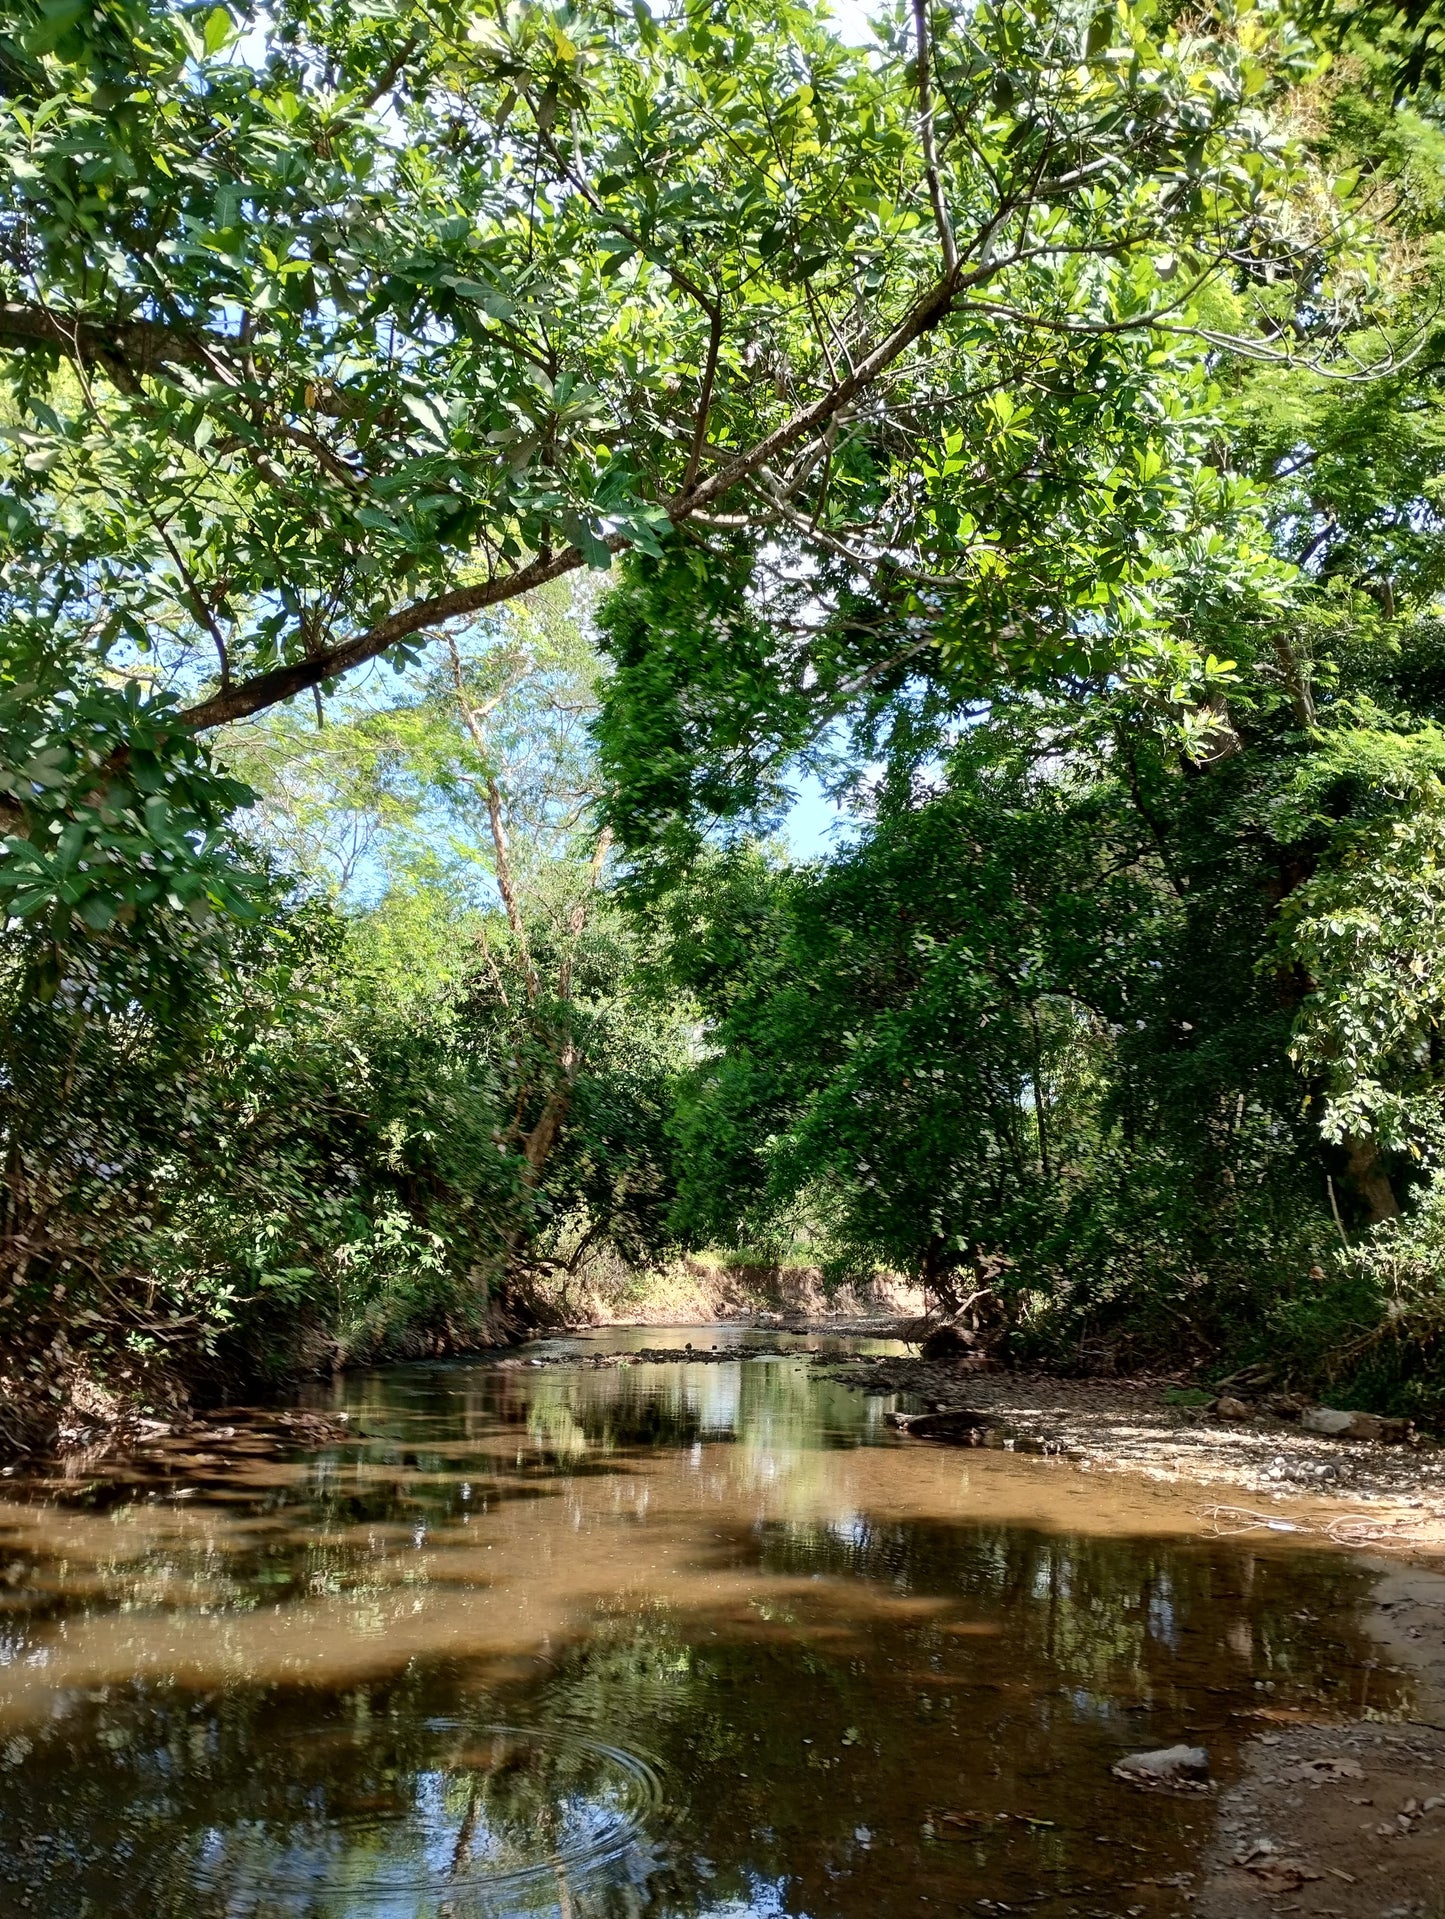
x=814 y=825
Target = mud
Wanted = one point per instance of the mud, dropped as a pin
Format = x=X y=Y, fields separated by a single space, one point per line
x=1346 y=1821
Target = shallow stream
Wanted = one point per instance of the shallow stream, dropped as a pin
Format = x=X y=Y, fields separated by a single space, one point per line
x=662 y=1639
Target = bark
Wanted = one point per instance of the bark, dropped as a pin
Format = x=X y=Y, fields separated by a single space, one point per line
x=936 y=1274
x=537 y=1147
x=506 y=885
x=141 y=345
x=1368 y=1181
x=1295 y=674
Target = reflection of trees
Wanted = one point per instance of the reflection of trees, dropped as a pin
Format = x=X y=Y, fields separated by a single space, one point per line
x=771 y=1407
x=435 y=1414
x=964 y=1666
x=1136 y=1615
x=1098 y=1645
x=369 y=1795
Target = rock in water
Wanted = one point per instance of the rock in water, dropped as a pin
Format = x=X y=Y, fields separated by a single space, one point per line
x=956 y=1426
x=1180 y=1767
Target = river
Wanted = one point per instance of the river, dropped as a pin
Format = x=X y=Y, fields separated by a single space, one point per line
x=664 y=1638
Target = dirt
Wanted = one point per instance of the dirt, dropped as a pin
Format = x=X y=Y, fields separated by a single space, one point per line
x=1346 y=1821
x=1129 y=1425
x=703 y=1290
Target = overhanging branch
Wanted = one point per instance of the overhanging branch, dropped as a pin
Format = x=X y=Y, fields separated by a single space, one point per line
x=284 y=682
x=140 y=345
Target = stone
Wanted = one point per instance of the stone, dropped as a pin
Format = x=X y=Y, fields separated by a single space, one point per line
x=1227 y=1408
x=1325 y=1769
x=955 y=1427
x=1283 y=1875
x=1176 y=1766
x=1333 y=1423
x=1327 y=1421
x=1285 y=1405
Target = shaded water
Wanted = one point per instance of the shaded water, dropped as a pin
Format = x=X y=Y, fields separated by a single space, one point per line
x=663 y=1639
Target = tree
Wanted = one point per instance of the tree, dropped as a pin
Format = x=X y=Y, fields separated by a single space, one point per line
x=454 y=813
x=1129 y=988
x=322 y=330
x=1019 y=1038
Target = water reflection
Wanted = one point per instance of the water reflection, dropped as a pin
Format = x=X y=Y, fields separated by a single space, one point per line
x=683 y=1640
x=468 y=1820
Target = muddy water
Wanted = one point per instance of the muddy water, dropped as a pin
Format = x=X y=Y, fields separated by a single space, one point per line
x=659 y=1639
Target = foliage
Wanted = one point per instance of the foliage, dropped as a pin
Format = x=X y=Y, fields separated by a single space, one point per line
x=389 y=787
x=322 y=328
x=1121 y=1043
x=121 y=813
x=1366 y=928
x=290 y=1159
x=1003 y=1041
x=353 y=1122
x=1122 y=1008
x=1390 y=1338
x=1028 y=426
x=202 y=1165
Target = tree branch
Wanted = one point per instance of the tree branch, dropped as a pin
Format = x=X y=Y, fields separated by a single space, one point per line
x=925 y=134
x=390 y=73
x=198 y=601
x=283 y=682
x=142 y=345
x=704 y=400
x=505 y=885
x=129 y=349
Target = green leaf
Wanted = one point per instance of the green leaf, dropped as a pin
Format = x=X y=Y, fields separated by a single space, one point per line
x=218 y=29
x=589 y=541
x=56 y=18
x=98 y=910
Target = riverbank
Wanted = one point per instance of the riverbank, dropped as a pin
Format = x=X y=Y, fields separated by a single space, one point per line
x=1145 y=1425
x=1340 y=1819
x=1345 y=1820
x=703 y=1289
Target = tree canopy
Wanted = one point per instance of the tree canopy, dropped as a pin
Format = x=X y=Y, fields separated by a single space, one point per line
x=324 y=327
x=459 y=470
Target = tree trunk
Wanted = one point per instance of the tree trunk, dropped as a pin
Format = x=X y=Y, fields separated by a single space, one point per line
x=935 y=1273
x=1367 y=1180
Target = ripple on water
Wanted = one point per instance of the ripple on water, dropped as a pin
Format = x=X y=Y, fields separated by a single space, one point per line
x=491 y=1820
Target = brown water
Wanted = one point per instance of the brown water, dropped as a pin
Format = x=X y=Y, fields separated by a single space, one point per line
x=663 y=1639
